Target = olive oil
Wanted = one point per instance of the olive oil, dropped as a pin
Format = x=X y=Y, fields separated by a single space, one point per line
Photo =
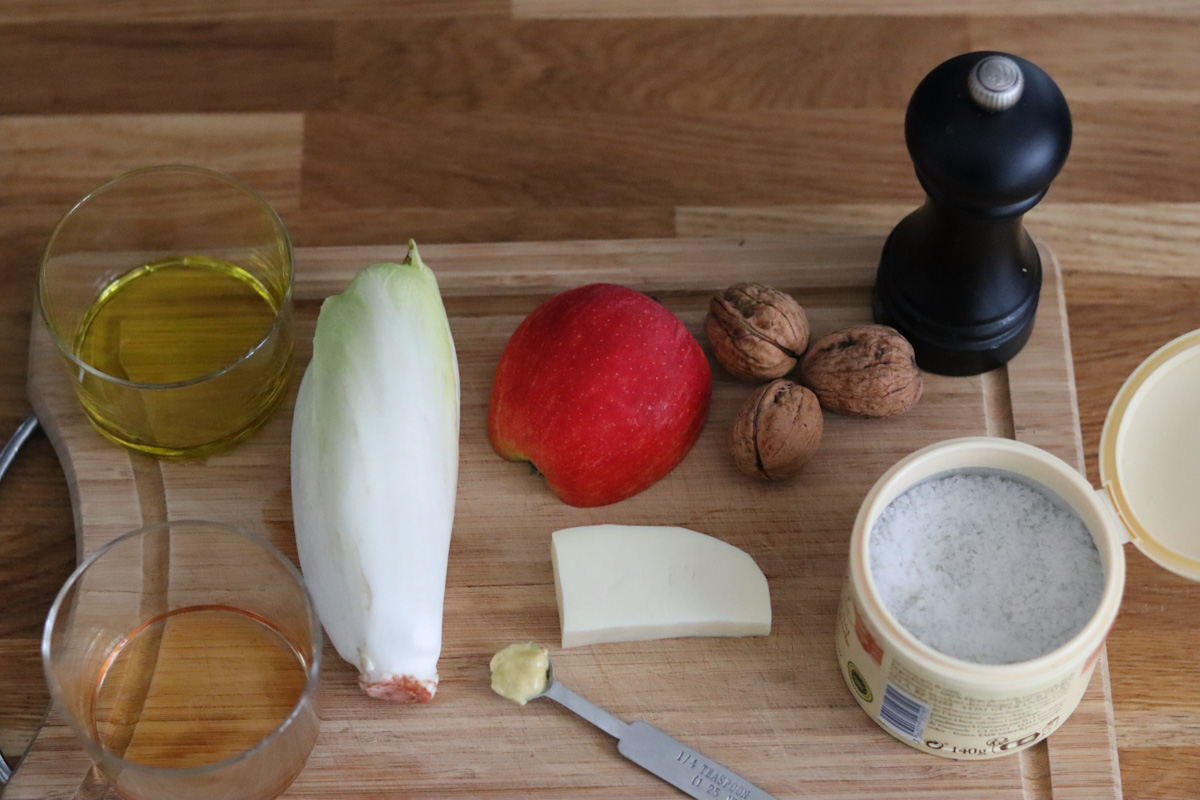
x=175 y=320
x=195 y=686
x=198 y=347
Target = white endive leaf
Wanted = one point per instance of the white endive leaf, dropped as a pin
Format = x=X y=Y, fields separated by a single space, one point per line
x=375 y=471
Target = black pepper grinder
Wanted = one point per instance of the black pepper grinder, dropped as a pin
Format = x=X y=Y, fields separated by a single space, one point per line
x=960 y=277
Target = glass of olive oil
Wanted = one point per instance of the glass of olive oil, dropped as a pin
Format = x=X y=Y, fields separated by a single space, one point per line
x=168 y=291
x=186 y=657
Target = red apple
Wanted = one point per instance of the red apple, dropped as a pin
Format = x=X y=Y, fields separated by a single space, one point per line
x=603 y=389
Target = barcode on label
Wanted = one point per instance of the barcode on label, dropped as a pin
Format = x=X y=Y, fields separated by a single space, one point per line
x=903 y=713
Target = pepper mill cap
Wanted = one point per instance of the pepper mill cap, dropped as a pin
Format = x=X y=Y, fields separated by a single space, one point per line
x=993 y=159
x=996 y=83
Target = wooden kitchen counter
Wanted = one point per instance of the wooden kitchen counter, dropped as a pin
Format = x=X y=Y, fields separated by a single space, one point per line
x=372 y=121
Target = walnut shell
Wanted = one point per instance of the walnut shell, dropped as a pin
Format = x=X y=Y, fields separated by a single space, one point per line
x=863 y=371
x=776 y=431
x=756 y=332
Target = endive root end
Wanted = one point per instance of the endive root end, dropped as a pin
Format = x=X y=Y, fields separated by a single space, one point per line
x=398 y=688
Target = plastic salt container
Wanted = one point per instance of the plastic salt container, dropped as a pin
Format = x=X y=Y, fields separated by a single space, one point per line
x=1149 y=463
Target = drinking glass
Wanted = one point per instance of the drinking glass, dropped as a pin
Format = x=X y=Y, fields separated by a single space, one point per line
x=168 y=291
x=185 y=656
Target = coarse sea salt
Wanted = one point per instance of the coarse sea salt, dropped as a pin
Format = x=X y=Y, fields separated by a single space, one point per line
x=985 y=568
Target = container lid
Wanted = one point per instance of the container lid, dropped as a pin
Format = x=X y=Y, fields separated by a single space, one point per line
x=1150 y=456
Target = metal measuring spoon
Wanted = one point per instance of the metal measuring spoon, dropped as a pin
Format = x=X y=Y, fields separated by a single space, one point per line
x=651 y=749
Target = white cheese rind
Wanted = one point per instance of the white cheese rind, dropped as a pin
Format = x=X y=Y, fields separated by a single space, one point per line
x=628 y=583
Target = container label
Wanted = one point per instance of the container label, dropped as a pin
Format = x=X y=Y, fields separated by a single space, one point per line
x=903 y=713
x=964 y=714
x=866 y=639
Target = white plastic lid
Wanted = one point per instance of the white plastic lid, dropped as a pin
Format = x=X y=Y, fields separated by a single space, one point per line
x=1150 y=456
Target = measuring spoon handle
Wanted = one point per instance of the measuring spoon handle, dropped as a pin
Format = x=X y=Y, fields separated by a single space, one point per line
x=683 y=767
x=666 y=757
x=586 y=709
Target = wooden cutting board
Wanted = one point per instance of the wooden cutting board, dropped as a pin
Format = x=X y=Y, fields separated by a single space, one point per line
x=773 y=708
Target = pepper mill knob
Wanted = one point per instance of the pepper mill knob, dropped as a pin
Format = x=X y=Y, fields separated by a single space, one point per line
x=960 y=277
x=996 y=83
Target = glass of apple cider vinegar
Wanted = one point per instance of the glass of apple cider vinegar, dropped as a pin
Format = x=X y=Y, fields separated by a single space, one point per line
x=185 y=656
x=168 y=292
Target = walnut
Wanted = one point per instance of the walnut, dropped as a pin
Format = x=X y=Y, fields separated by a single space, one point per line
x=756 y=332
x=776 y=431
x=864 y=371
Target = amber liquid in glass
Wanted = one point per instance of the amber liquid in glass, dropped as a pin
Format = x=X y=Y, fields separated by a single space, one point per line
x=195 y=686
x=184 y=329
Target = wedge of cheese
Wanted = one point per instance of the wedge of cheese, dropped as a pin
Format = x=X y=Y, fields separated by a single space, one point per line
x=627 y=583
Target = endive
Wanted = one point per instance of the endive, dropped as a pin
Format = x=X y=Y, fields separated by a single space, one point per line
x=374 y=474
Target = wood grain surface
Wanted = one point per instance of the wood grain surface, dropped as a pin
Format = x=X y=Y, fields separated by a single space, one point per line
x=775 y=706
x=366 y=122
